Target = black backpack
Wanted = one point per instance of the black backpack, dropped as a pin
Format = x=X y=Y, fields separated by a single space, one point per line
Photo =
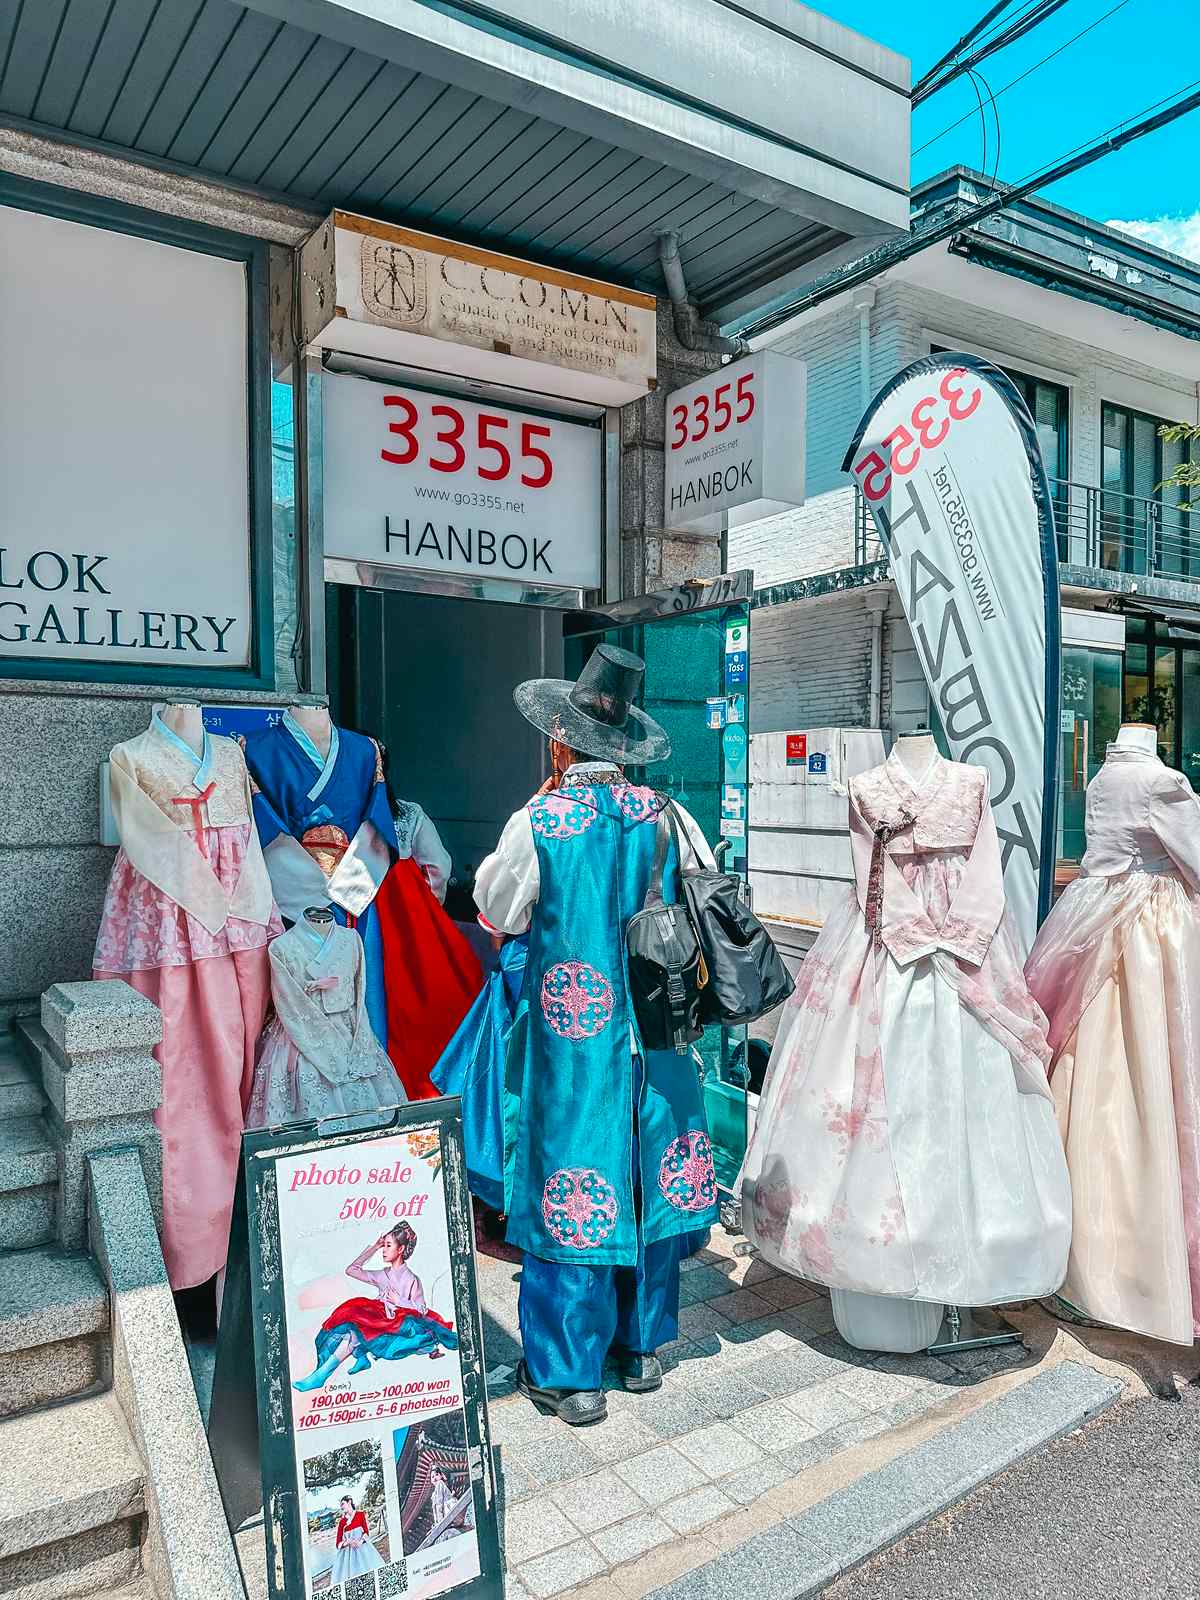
x=666 y=968
x=706 y=959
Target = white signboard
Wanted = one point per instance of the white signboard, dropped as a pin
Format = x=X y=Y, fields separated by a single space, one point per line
x=376 y=1382
x=445 y=485
x=948 y=461
x=124 y=519
x=371 y=288
x=735 y=440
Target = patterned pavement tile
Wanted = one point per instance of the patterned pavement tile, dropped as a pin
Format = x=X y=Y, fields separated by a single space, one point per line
x=597 y=1501
x=694 y=1510
x=742 y=1305
x=773 y=1427
x=874 y=1390
x=556 y=1458
x=674 y=1414
x=533 y=1528
x=703 y=1283
x=562 y=1569
x=627 y=1540
x=747 y=1485
x=719 y=1449
x=782 y=1293
x=700 y=1319
x=618 y=1438
x=661 y=1475
x=726 y=1391
x=825 y=1405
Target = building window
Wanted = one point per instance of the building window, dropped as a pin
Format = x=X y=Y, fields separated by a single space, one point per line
x=1162 y=686
x=1091 y=706
x=1141 y=528
x=1050 y=407
x=135 y=536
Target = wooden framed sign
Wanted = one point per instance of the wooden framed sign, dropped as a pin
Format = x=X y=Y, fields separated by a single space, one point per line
x=350 y=1399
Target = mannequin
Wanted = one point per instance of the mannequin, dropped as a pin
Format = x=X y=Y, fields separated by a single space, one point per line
x=187 y=722
x=916 y=749
x=1138 y=736
x=317 y=724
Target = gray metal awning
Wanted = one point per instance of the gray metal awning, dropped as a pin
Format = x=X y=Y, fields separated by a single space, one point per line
x=1182 y=619
x=482 y=123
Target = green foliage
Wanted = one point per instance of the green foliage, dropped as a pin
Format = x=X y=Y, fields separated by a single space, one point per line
x=1187 y=474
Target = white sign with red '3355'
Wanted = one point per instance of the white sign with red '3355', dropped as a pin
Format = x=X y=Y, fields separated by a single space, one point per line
x=442 y=484
x=735 y=441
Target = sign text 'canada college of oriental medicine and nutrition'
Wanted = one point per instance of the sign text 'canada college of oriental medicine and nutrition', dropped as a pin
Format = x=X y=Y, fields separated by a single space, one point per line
x=735 y=442
x=444 y=485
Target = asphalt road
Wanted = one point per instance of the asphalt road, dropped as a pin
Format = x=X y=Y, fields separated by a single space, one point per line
x=1112 y=1512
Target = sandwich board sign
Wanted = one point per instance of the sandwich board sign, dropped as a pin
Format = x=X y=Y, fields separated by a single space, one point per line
x=350 y=1400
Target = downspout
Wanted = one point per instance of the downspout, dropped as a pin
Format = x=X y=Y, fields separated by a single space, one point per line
x=877 y=604
x=689 y=330
x=864 y=302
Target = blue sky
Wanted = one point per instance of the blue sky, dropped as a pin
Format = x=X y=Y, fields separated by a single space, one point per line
x=1145 y=51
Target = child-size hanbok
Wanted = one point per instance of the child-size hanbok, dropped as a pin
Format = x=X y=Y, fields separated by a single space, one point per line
x=355 y=1552
x=330 y=839
x=187 y=919
x=906 y=1142
x=318 y=1056
x=1116 y=967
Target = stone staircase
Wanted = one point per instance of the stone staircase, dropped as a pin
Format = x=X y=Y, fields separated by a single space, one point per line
x=72 y=1501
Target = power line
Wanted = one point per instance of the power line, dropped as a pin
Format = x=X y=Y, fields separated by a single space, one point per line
x=888 y=255
x=1016 y=28
x=957 y=48
x=1021 y=76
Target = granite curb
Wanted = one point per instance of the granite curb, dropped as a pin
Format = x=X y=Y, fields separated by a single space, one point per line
x=798 y=1557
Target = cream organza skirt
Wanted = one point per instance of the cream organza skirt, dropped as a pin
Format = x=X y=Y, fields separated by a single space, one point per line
x=1116 y=968
x=906 y=1141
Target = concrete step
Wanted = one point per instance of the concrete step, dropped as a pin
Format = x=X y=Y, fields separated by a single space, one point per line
x=28 y=1182
x=73 y=1509
x=54 y=1328
x=20 y=1082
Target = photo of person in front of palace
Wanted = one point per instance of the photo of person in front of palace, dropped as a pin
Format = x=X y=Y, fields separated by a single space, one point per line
x=607 y=1175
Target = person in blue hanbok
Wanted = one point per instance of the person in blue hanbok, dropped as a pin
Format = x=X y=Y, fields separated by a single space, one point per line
x=608 y=1174
x=330 y=839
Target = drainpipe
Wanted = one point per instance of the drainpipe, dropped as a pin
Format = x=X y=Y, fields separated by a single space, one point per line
x=688 y=329
x=877 y=604
x=863 y=303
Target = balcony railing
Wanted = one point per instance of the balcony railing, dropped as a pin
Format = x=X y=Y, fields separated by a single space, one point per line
x=1099 y=528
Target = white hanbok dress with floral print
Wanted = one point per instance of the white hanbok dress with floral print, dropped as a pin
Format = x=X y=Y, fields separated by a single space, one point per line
x=906 y=1141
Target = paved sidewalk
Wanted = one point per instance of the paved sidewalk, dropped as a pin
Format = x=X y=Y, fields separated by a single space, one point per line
x=764 y=1411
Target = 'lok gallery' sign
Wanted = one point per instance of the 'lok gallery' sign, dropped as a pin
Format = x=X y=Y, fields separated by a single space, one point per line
x=442 y=485
x=735 y=441
x=373 y=289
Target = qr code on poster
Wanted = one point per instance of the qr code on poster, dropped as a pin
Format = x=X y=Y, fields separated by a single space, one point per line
x=328 y=1594
x=393 y=1580
x=362 y=1588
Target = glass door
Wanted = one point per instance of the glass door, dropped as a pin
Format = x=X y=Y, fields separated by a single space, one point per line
x=695 y=641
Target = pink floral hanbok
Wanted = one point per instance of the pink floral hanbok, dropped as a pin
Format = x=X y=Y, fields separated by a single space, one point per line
x=906 y=1141
x=187 y=919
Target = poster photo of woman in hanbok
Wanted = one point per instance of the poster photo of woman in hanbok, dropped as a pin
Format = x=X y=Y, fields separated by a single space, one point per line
x=346 y=1514
x=395 y=1324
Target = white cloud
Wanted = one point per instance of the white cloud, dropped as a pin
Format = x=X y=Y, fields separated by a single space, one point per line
x=1181 y=235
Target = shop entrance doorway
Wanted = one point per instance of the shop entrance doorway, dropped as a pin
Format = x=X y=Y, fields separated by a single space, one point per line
x=432 y=677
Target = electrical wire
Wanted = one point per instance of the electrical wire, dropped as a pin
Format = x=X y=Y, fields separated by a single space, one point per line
x=1021 y=76
x=1016 y=28
x=982 y=121
x=884 y=256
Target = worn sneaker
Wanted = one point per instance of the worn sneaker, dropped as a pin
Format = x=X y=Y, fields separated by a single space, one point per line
x=639 y=1373
x=578 y=1407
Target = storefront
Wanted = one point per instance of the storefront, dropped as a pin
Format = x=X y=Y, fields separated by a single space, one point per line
x=462 y=417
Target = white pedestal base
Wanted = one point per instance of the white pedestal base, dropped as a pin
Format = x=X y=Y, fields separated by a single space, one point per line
x=882 y=1322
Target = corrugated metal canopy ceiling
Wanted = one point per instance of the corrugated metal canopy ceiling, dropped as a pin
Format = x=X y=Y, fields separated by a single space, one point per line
x=215 y=86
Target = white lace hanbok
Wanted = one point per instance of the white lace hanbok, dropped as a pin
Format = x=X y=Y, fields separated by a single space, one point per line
x=906 y=1141
x=318 y=1056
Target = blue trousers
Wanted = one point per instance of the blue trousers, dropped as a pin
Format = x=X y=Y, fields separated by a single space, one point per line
x=572 y=1315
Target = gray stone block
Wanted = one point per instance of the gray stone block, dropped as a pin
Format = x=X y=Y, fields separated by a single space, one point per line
x=67 y=1471
x=27 y=1158
x=47 y=1373
x=47 y=1296
x=101 y=1561
x=58 y=943
x=697 y=1509
x=102 y=1017
x=763 y=1568
x=719 y=1449
x=561 y=1569
x=97 y=1084
x=76 y=1142
x=28 y=1216
x=20 y=1087
x=597 y=1501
